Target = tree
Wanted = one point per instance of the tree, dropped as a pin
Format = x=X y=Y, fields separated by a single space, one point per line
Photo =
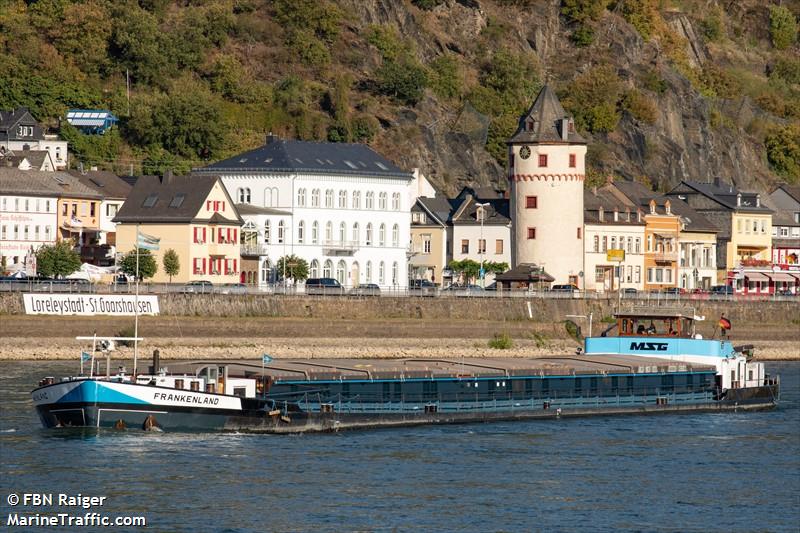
x=295 y=268
x=57 y=260
x=405 y=80
x=782 y=27
x=172 y=264
x=468 y=268
x=147 y=264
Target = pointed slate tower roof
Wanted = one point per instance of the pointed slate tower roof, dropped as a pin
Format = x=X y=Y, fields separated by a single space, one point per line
x=546 y=122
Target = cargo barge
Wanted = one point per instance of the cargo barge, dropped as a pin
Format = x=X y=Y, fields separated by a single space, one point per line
x=633 y=372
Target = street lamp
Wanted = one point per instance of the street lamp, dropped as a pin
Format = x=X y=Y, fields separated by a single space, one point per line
x=482 y=251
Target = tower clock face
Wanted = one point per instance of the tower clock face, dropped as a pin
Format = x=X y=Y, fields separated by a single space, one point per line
x=525 y=152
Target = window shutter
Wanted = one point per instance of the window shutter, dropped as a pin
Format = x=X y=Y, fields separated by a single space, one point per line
x=204 y=234
x=204 y=266
x=234 y=266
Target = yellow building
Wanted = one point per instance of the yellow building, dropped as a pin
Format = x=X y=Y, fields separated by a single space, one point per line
x=751 y=238
x=78 y=210
x=192 y=215
x=428 y=253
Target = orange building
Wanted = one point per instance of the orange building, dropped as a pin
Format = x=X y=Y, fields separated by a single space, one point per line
x=662 y=228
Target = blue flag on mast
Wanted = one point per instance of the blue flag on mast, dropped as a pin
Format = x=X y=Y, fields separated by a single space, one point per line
x=266 y=359
x=85 y=357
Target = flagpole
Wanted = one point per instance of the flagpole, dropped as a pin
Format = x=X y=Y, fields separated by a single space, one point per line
x=94 y=347
x=136 y=309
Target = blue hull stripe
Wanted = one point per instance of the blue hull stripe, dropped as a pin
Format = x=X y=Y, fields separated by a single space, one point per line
x=92 y=392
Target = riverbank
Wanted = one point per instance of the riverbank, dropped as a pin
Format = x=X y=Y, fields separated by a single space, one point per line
x=52 y=338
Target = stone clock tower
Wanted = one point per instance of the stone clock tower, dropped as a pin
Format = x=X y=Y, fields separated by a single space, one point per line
x=546 y=169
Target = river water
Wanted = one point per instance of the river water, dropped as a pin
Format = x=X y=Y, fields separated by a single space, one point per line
x=687 y=472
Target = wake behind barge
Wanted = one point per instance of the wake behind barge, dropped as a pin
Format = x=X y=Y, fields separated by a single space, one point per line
x=614 y=375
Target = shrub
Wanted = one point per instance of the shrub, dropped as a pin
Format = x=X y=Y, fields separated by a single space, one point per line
x=427 y=4
x=783 y=151
x=364 y=128
x=787 y=69
x=445 y=76
x=712 y=26
x=386 y=40
x=653 y=82
x=583 y=36
x=405 y=80
x=501 y=341
x=718 y=82
x=593 y=97
x=583 y=10
x=639 y=106
x=782 y=27
x=642 y=15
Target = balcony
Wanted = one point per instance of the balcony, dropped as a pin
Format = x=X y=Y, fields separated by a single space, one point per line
x=253 y=250
x=339 y=247
x=664 y=256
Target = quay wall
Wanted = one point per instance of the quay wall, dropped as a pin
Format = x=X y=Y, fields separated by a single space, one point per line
x=434 y=308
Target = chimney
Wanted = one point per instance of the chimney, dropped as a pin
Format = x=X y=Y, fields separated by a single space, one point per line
x=601 y=214
x=717 y=182
x=758 y=200
x=167 y=176
x=739 y=200
x=271 y=138
x=565 y=128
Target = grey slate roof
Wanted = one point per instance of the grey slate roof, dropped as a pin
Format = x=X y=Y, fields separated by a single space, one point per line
x=280 y=155
x=438 y=207
x=497 y=212
x=791 y=190
x=693 y=220
x=39 y=183
x=726 y=196
x=20 y=116
x=196 y=189
x=36 y=158
x=106 y=183
x=594 y=199
x=546 y=114
x=528 y=272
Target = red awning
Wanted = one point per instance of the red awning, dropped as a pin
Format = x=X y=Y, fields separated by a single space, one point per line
x=782 y=276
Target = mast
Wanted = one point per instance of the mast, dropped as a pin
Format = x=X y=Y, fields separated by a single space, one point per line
x=136 y=309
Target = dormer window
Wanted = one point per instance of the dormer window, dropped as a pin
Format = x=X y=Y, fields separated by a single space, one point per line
x=529 y=124
x=652 y=207
x=667 y=207
x=616 y=215
x=601 y=214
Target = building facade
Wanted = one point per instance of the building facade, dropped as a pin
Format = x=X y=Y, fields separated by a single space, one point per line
x=615 y=234
x=114 y=190
x=481 y=231
x=192 y=215
x=429 y=249
x=349 y=207
x=28 y=217
x=546 y=172
x=19 y=131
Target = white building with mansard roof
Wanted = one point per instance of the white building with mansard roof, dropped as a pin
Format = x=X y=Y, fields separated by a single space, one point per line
x=348 y=208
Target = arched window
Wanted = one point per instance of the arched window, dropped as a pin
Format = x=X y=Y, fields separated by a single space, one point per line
x=314 y=271
x=356 y=199
x=327 y=269
x=396 y=201
x=329 y=198
x=301 y=198
x=342 y=232
x=314 y=232
x=329 y=231
x=356 y=233
x=341 y=268
x=395 y=273
x=267 y=231
x=395 y=235
x=240 y=195
x=342 y=199
x=301 y=232
x=315 y=198
x=368 y=272
x=265 y=271
x=382 y=235
x=281 y=229
x=382 y=201
x=381 y=273
x=369 y=234
x=613 y=243
x=247 y=195
x=370 y=204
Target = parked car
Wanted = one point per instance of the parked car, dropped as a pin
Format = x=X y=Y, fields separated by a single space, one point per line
x=422 y=286
x=198 y=287
x=458 y=289
x=630 y=292
x=699 y=290
x=367 y=289
x=722 y=290
x=674 y=290
x=323 y=286
x=233 y=288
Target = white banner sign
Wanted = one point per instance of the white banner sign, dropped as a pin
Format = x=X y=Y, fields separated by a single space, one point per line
x=89 y=304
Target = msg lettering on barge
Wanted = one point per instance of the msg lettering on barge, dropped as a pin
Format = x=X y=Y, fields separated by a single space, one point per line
x=185 y=398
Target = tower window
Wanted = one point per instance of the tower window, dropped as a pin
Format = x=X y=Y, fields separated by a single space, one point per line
x=579 y=233
x=530 y=202
x=542 y=160
x=531 y=233
x=572 y=161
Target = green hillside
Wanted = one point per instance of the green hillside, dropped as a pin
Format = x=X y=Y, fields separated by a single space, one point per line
x=662 y=89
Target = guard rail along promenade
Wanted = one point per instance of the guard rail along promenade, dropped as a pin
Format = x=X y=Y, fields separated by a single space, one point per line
x=517 y=306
